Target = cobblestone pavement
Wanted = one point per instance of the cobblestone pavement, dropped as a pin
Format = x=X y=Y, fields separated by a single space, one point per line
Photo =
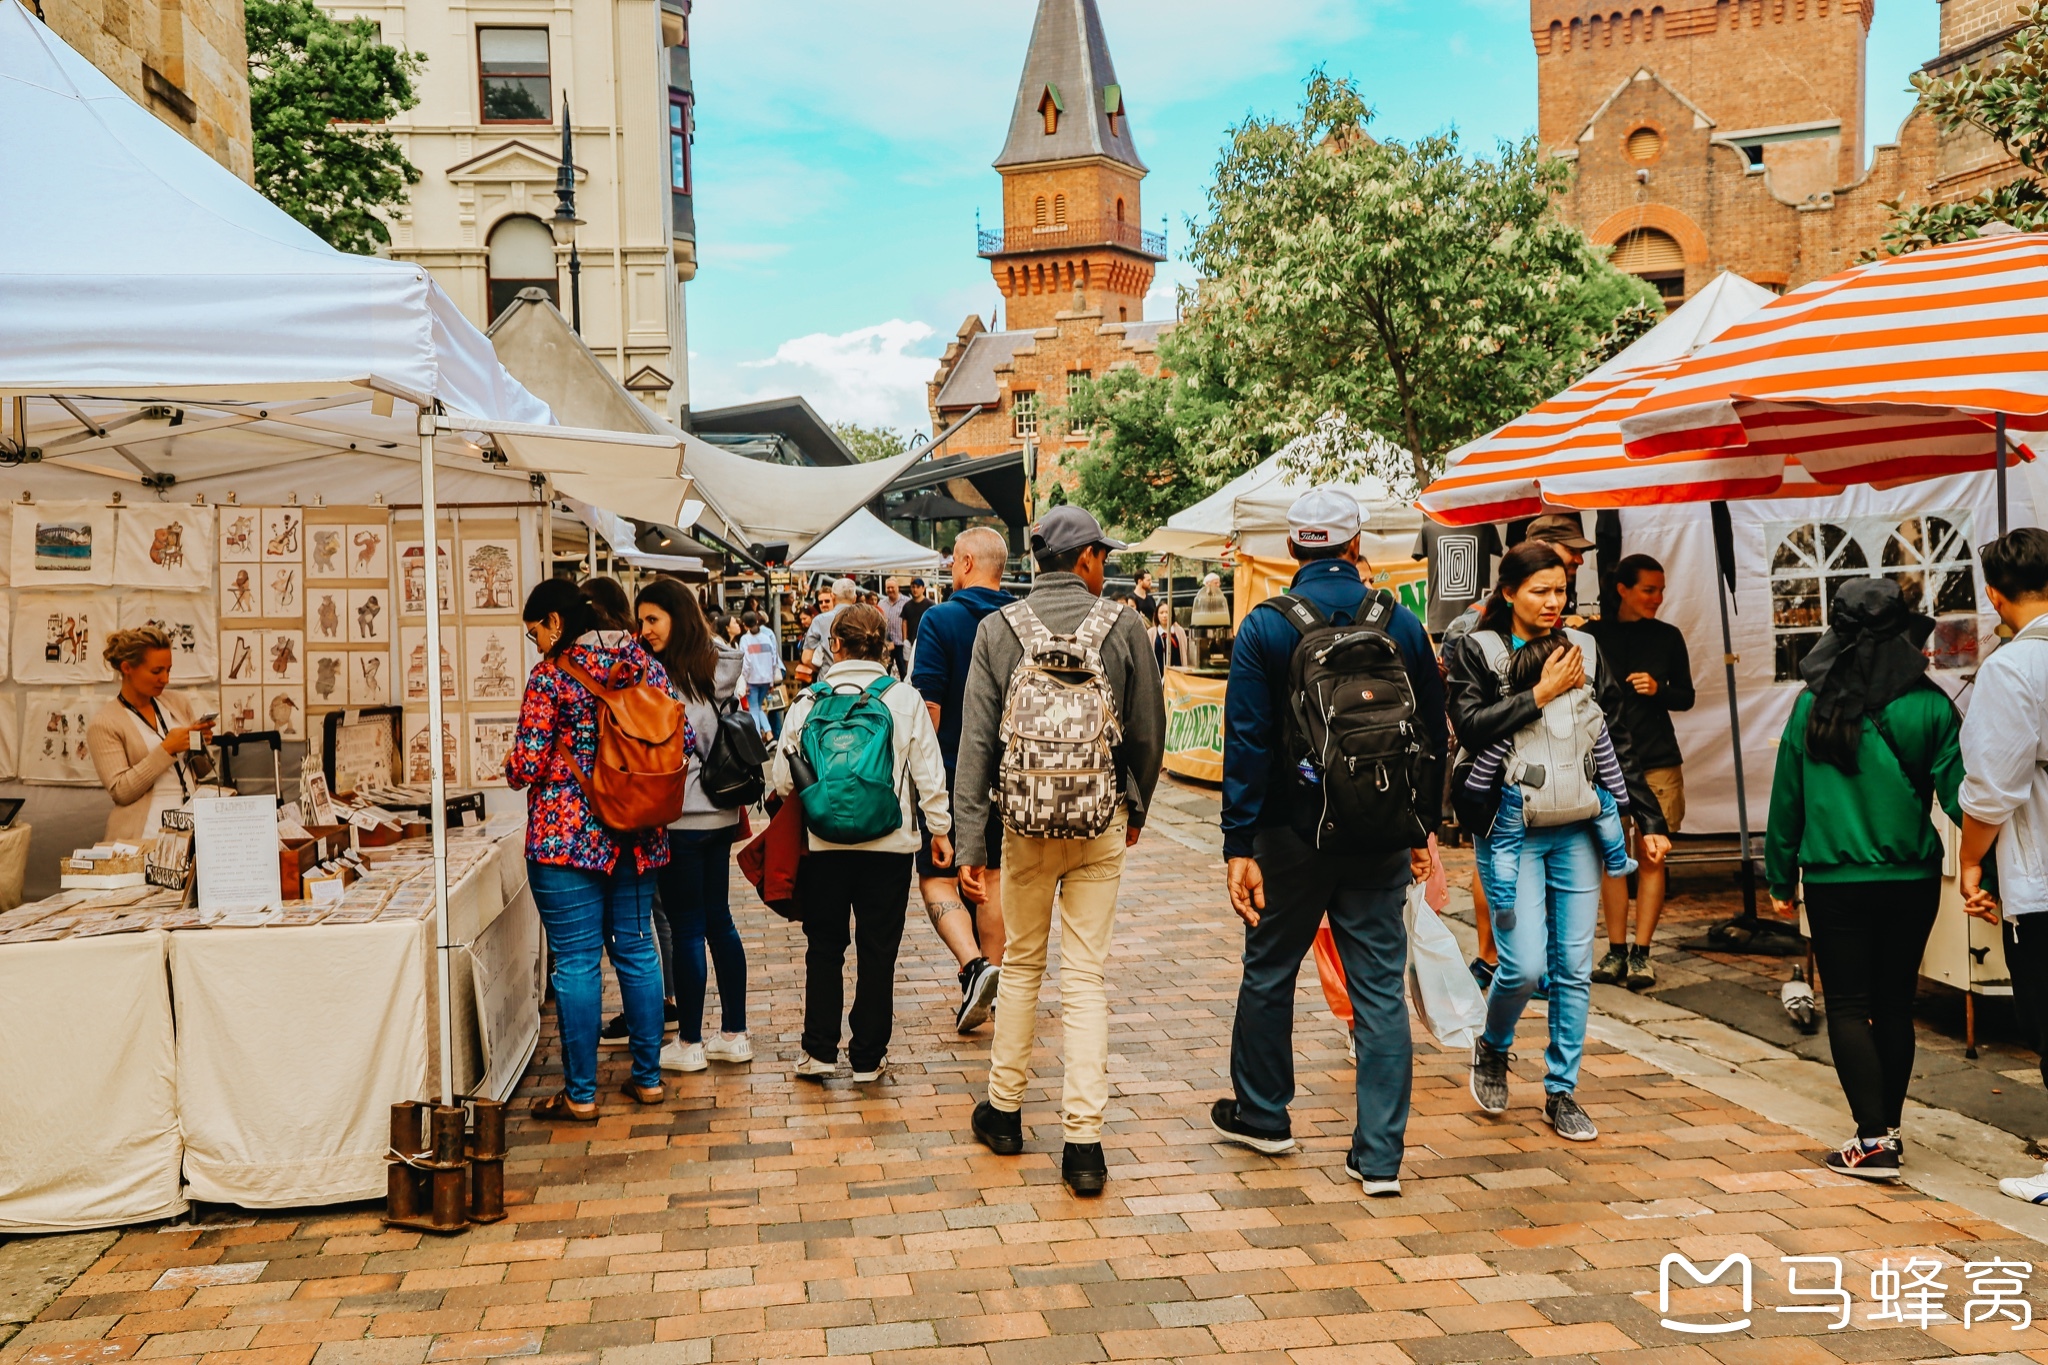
x=757 y=1217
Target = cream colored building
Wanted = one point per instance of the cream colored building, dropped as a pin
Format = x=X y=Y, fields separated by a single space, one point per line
x=186 y=61
x=487 y=136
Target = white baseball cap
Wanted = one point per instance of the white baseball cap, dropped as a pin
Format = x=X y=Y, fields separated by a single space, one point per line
x=1323 y=517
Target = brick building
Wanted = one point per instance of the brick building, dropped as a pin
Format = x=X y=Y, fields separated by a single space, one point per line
x=1727 y=135
x=186 y=61
x=1071 y=259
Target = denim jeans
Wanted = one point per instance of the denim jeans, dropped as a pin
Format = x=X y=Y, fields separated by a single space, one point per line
x=588 y=914
x=769 y=723
x=1363 y=896
x=1504 y=840
x=696 y=902
x=1546 y=922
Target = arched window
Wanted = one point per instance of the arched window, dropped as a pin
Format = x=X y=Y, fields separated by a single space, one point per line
x=1927 y=555
x=1643 y=146
x=1059 y=210
x=1119 y=210
x=1653 y=256
x=1038 y=212
x=522 y=257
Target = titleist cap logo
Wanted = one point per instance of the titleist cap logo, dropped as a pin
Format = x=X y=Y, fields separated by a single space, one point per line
x=1311 y=535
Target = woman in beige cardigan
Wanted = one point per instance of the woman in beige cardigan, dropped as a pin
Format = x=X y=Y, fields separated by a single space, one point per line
x=140 y=741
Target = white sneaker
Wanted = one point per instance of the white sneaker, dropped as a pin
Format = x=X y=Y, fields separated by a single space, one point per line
x=865 y=1076
x=677 y=1055
x=728 y=1047
x=2032 y=1188
x=813 y=1069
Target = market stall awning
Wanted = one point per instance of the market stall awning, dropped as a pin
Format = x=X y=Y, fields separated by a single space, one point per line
x=865 y=544
x=1256 y=502
x=766 y=503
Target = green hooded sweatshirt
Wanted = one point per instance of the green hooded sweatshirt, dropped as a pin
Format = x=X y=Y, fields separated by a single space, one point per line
x=1872 y=825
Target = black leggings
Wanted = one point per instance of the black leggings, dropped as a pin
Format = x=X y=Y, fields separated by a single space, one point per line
x=855 y=897
x=1868 y=938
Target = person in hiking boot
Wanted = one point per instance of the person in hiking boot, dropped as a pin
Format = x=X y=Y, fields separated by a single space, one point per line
x=1870 y=744
x=1282 y=885
x=1650 y=658
x=1557 y=892
x=944 y=650
x=865 y=747
x=1085 y=698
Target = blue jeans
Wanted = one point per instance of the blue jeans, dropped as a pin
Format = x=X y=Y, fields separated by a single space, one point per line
x=1504 y=840
x=1546 y=922
x=588 y=914
x=695 y=900
x=769 y=723
x=1363 y=896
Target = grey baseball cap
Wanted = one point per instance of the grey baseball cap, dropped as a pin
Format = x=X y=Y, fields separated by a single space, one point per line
x=1066 y=528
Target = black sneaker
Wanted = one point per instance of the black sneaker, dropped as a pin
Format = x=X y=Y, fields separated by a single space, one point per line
x=1083 y=1168
x=1375 y=1186
x=1490 y=1077
x=999 y=1130
x=1482 y=973
x=1223 y=1118
x=1641 y=975
x=1563 y=1114
x=1610 y=970
x=615 y=1033
x=979 y=981
x=1866 y=1159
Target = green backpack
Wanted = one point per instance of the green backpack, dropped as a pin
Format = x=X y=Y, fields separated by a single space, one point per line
x=849 y=746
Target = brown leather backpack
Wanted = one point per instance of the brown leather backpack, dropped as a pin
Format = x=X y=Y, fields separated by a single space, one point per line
x=642 y=762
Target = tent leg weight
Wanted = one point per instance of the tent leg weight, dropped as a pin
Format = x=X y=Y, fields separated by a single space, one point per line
x=487 y=1163
x=427 y=1189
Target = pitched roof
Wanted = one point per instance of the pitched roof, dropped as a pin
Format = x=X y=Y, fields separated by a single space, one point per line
x=1068 y=65
x=973 y=379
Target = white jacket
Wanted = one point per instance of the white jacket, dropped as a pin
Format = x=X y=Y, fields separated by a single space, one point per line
x=2005 y=744
x=917 y=757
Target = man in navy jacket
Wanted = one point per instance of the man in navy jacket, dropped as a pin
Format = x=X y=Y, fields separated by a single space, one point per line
x=1282 y=887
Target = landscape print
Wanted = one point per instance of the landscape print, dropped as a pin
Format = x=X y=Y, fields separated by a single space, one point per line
x=64 y=546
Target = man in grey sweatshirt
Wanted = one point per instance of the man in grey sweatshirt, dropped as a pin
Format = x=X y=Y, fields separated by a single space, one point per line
x=1072 y=554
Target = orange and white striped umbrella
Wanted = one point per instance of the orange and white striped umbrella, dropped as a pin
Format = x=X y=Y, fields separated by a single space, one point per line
x=1889 y=371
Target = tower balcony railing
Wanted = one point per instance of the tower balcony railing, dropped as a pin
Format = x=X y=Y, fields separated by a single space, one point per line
x=1010 y=241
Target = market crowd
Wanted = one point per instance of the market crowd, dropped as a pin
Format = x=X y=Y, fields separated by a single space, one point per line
x=1001 y=752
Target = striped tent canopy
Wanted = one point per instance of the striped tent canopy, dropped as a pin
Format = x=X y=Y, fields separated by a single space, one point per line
x=1887 y=372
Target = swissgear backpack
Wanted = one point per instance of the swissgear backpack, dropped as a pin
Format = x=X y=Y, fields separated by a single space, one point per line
x=849 y=747
x=1359 y=755
x=643 y=762
x=1057 y=778
x=731 y=774
x=1551 y=758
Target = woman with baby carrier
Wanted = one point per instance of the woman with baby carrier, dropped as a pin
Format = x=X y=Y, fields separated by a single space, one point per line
x=1553 y=746
x=1870 y=746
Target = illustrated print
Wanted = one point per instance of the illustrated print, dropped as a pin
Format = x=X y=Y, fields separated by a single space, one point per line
x=67 y=638
x=412 y=559
x=241 y=650
x=324 y=620
x=239 y=709
x=283 y=655
x=368 y=557
x=326 y=544
x=285 y=712
x=281 y=527
x=238 y=591
x=419 y=754
x=187 y=620
x=366 y=610
x=494 y=672
x=490 y=742
x=53 y=737
x=330 y=685
x=164 y=547
x=167 y=546
x=58 y=639
x=281 y=591
x=284 y=658
x=237 y=536
x=490 y=572
x=64 y=546
x=413 y=650
x=367 y=684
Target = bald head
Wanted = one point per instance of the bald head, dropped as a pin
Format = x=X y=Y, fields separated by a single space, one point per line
x=979 y=554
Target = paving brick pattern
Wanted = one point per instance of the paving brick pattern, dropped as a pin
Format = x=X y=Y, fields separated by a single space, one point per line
x=756 y=1217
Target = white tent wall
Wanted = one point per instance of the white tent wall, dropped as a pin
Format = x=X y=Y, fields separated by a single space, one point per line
x=864 y=543
x=1681 y=539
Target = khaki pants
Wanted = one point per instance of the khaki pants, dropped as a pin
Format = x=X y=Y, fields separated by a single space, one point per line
x=1668 y=785
x=1084 y=874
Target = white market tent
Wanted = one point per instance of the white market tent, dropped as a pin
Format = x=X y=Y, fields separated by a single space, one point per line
x=167 y=326
x=783 y=503
x=1251 y=512
x=864 y=543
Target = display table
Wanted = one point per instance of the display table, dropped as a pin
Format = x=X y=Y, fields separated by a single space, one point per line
x=258 y=1063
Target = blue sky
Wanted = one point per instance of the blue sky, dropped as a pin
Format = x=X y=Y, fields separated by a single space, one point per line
x=843 y=149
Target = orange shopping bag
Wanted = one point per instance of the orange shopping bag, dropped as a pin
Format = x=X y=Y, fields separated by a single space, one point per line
x=1330 y=968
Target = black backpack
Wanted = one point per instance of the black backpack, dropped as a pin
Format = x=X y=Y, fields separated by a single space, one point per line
x=1358 y=755
x=732 y=774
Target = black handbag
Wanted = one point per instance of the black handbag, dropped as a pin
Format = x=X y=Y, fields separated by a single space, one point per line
x=733 y=774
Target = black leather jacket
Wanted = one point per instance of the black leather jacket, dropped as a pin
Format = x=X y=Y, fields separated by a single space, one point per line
x=1483 y=711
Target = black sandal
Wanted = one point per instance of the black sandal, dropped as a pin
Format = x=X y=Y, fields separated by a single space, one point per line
x=558 y=1108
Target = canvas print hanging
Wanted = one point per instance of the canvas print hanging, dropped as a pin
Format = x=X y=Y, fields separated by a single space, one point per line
x=241 y=592
x=326 y=550
x=241 y=534
x=241 y=710
x=369 y=616
x=326 y=614
x=419 y=762
x=187 y=618
x=367 y=554
x=59 y=637
x=412 y=656
x=284 y=658
x=490 y=743
x=412 y=577
x=284 y=535
x=326 y=677
x=241 y=656
x=490 y=575
x=165 y=547
x=282 y=595
x=493 y=654
x=63 y=545
x=368 y=678
x=53 y=736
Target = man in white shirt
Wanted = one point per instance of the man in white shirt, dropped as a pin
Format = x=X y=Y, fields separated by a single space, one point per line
x=760 y=670
x=2005 y=786
x=817 y=646
x=892 y=604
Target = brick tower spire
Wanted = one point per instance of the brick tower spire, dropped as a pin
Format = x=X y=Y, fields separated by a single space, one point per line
x=1071 y=220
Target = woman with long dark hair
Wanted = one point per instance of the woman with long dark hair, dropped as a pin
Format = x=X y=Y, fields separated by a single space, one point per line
x=1546 y=918
x=1870 y=746
x=594 y=886
x=694 y=895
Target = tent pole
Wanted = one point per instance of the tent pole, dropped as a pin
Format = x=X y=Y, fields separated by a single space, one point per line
x=437 y=816
x=1999 y=465
x=1721 y=591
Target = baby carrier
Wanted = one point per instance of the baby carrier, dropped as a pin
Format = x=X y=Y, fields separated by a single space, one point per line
x=1551 y=758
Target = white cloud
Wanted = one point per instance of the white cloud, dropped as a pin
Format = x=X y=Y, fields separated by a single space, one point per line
x=868 y=375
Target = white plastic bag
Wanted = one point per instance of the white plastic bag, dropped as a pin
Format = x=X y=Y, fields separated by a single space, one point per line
x=1440 y=986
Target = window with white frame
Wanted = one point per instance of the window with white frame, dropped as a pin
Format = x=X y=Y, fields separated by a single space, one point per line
x=1024 y=415
x=1927 y=555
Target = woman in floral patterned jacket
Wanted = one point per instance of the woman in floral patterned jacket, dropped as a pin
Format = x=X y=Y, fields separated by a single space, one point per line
x=594 y=887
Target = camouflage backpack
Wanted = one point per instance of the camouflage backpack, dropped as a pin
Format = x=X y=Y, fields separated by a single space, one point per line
x=1057 y=778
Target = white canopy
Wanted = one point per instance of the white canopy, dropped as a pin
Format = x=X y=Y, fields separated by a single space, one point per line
x=764 y=502
x=864 y=543
x=1251 y=510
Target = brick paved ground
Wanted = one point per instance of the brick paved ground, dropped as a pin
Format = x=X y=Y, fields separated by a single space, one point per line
x=757 y=1217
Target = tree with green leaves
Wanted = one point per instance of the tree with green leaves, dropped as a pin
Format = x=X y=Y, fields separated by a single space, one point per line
x=2006 y=97
x=871 y=443
x=319 y=90
x=1419 y=292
